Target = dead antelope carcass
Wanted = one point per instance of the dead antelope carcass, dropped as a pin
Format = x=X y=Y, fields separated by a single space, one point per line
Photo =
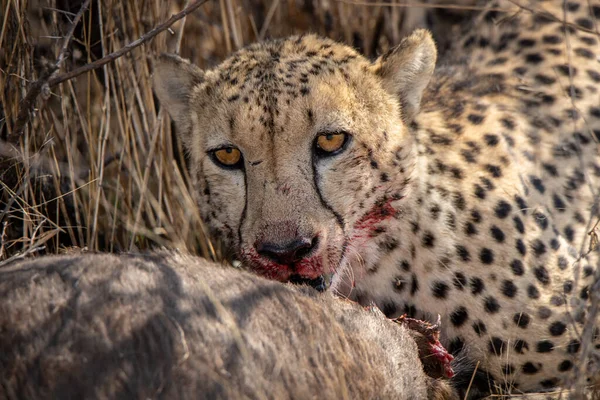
x=173 y=326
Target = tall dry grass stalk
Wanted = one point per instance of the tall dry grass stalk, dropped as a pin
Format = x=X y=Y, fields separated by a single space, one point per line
x=97 y=146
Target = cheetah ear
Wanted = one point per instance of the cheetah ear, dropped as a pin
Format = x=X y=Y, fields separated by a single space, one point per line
x=407 y=69
x=174 y=79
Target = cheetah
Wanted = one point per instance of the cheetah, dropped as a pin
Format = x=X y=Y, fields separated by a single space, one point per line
x=465 y=190
x=173 y=326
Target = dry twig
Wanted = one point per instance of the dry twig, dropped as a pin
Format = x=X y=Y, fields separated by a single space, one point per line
x=51 y=79
x=38 y=86
x=126 y=49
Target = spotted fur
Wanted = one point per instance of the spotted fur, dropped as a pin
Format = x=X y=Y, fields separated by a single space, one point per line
x=473 y=201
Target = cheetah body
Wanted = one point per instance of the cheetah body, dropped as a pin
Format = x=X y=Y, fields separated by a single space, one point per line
x=472 y=202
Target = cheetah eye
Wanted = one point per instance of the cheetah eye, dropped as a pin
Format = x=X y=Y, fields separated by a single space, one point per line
x=331 y=143
x=227 y=157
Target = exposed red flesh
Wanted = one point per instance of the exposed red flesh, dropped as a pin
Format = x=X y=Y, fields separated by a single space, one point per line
x=436 y=359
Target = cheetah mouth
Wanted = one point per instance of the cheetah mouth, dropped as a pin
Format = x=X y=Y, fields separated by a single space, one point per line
x=314 y=267
x=305 y=271
x=314 y=271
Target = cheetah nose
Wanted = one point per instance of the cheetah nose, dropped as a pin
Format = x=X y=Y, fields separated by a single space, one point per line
x=287 y=253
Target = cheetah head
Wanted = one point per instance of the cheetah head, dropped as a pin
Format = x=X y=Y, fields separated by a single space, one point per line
x=299 y=148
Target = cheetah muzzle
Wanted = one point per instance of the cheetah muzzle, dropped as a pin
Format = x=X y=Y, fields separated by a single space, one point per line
x=287 y=127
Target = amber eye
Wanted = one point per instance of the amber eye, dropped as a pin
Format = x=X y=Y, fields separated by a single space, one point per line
x=331 y=143
x=228 y=157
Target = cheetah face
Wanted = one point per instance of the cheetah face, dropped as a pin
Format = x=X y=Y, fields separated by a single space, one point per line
x=298 y=146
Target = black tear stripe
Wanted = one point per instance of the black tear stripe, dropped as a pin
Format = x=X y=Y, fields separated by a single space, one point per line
x=338 y=217
x=206 y=194
x=243 y=216
x=207 y=190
